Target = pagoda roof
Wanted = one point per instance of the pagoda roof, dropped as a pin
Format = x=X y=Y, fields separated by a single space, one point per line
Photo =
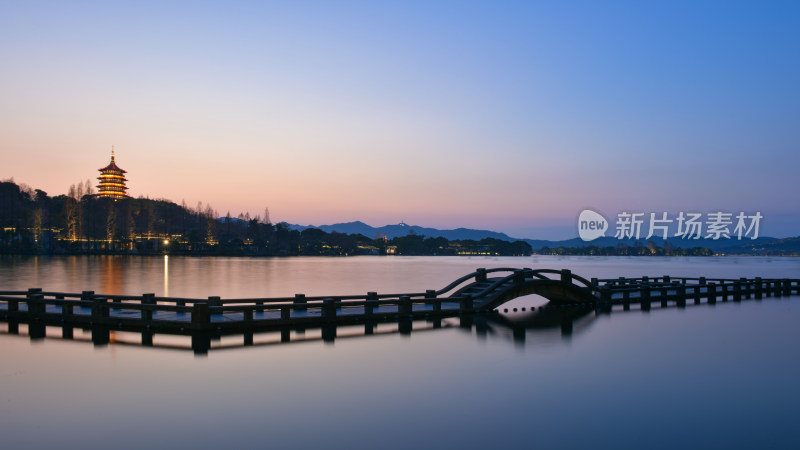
x=112 y=166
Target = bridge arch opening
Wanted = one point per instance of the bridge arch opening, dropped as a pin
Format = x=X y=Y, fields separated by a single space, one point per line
x=522 y=304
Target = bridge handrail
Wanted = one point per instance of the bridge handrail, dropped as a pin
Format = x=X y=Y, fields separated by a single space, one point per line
x=537 y=273
x=605 y=285
x=321 y=297
x=364 y=297
x=452 y=285
x=317 y=305
x=495 y=285
x=585 y=281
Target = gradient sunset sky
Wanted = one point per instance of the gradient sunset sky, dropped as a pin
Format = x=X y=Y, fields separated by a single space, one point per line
x=511 y=116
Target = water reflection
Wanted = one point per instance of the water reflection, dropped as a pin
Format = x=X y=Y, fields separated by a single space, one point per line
x=112 y=275
x=727 y=372
x=166 y=275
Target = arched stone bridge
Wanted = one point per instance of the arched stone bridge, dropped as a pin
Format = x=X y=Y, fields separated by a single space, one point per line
x=488 y=292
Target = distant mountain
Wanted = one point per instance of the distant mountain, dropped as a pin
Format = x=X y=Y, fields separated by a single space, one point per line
x=403 y=229
x=716 y=245
x=771 y=247
x=745 y=246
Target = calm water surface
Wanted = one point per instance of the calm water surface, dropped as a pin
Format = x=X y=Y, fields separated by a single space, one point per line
x=723 y=376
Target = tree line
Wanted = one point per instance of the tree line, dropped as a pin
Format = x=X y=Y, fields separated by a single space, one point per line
x=638 y=249
x=31 y=221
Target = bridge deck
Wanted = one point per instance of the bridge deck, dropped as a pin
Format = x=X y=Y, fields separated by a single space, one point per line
x=476 y=292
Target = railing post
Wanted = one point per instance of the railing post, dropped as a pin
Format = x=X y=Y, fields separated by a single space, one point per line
x=66 y=308
x=201 y=341
x=86 y=296
x=36 y=305
x=329 y=331
x=431 y=294
x=99 y=309
x=681 y=294
x=787 y=287
x=404 y=306
x=466 y=303
x=759 y=288
x=711 y=293
x=147 y=338
x=286 y=312
x=214 y=302
x=527 y=272
x=100 y=336
x=737 y=291
x=405 y=326
x=148 y=300
x=13 y=305
x=645 y=300
x=300 y=299
x=566 y=276
x=605 y=295
x=480 y=277
x=201 y=315
x=369 y=305
x=594 y=282
x=329 y=308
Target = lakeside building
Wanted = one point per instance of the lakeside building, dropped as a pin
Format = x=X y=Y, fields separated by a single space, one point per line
x=112 y=181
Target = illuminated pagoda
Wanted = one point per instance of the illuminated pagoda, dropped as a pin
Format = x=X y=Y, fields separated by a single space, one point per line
x=112 y=181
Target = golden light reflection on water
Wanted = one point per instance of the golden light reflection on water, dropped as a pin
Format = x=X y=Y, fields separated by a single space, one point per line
x=166 y=275
x=112 y=275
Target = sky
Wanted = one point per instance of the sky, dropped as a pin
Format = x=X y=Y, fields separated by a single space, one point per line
x=509 y=116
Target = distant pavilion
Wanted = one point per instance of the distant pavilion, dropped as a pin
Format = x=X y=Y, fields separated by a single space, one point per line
x=112 y=181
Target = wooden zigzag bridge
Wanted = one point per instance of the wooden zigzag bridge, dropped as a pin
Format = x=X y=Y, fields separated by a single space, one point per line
x=480 y=292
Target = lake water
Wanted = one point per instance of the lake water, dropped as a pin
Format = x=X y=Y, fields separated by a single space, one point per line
x=723 y=376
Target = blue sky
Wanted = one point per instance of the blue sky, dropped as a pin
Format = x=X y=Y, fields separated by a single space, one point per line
x=512 y=116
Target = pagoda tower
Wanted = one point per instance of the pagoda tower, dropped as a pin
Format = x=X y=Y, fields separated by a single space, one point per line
x=112 y=181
